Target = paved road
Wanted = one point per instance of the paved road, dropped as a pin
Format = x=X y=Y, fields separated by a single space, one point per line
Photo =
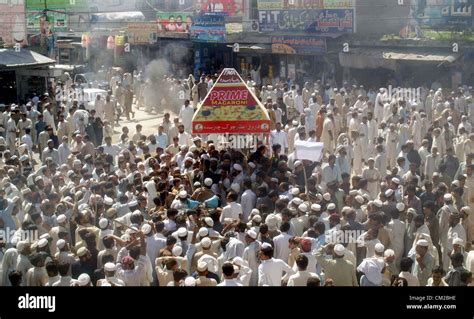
x=149 y=121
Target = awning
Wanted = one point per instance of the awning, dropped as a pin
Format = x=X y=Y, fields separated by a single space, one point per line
x=373 y=58
x=10 y=59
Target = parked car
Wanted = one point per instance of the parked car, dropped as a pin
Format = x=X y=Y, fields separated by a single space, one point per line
x=88 y=97
x=92 y=81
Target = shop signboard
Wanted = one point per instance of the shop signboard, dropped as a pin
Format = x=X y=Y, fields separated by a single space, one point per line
x=298 y=45
x=309 y=21
x=208 y=27
x=230 y=107
x=443 y=12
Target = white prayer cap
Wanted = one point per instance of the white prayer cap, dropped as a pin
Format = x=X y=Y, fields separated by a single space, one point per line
x=359 y=199
x=177 y=250
x=20 y=246
x=400 y=206
x=46 y=236
x=206 y=242
x=203 y=231
x=294 y=122
x=146 y=229
x=331 y=206
x=237 y=167
x=458 y=241
x=103 y=223
x=255 y=211
x=108 y=201
x=252 y=233
x=197 y=184
x=297 y=201
x=189 y=282
x=84 y=280
x=42 y=242
x=339 y=250
x=389 y=192
x=81 y=251
x=60 y=243
x=257 y=218
x=110 y=267
x=38 y=178
x=274 y=180
x=252 y=164
x=235 y=187
x=379 y=248
x=396 y=180
x=208 y=182
x=466 y=210
x=303 y=208
x=239 y=261
x=411 y=211
x=353 y=192
x=346 y=209
x=298 y=163
x=183 y=194
x=266 y=246
x=295 y=191
x=182 y=232
x=202 y=266
x=378 y=203
x=389 y=253
x=209 y=222
x=422 y=243
x=447 y=197
x=327 y=197
x=61 y=218
x=316 y=207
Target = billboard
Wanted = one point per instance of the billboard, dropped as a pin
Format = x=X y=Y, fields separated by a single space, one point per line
x=12 y=20
x=174 y=21
x=208 y=27
x=310 y=21
x=443 y=12
x=231 y=7
x=230 y=107
x=142 y=32
x=304 y=4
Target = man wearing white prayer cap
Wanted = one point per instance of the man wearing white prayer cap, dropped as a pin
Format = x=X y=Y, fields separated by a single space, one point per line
x=423 y=262
x=110 y=278
x=372 y=268
x=82 y=281
x=54 y=232
x=203 y=280
x=250 y=254
x=341 y=271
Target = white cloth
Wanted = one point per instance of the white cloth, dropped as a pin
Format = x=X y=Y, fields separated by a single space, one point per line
x=270 y=272
x=281 y=247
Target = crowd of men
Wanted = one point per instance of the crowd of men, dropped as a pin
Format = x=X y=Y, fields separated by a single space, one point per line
x=389 y=203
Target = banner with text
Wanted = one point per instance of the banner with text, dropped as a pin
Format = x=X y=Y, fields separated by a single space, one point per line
x=298 y=45
x=310 y=21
